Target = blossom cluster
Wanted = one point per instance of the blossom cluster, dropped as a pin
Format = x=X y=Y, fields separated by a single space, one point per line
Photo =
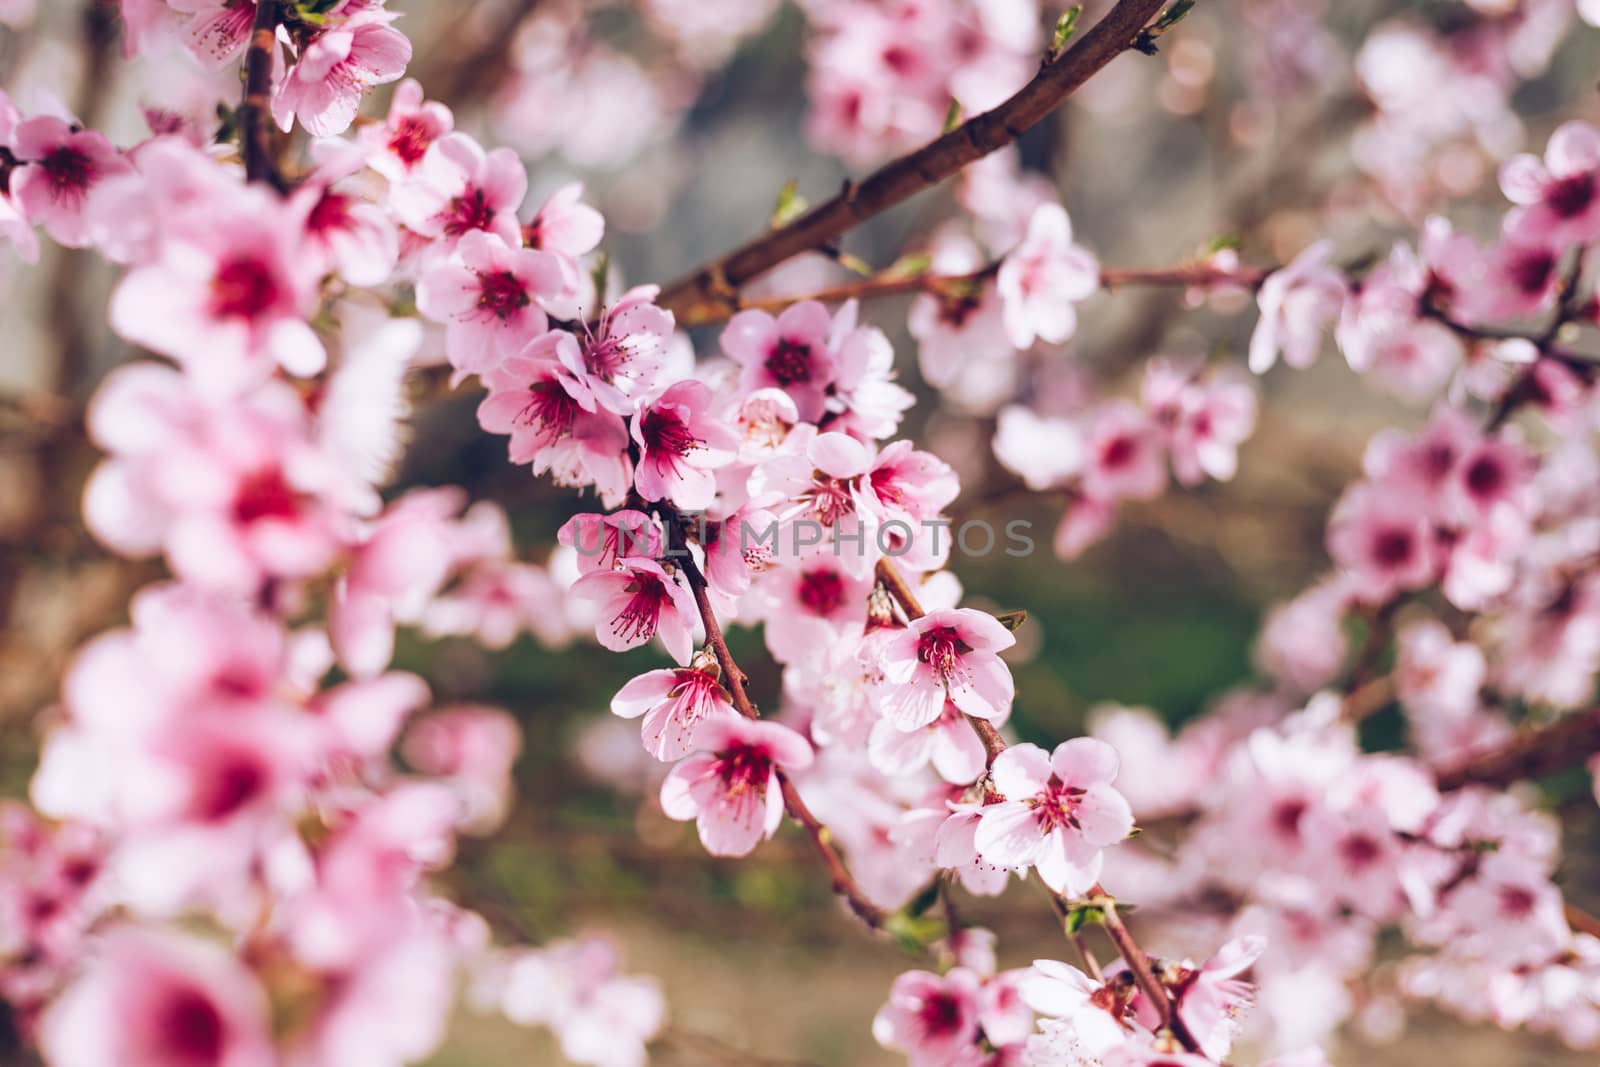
x=247 y=801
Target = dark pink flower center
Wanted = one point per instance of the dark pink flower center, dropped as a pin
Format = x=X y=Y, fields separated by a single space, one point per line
x=467 y=212
x=639 y=617
x=666 y=436
x=821 y=591
x=411 y=139
x=502 y=294
x=1118 y=452
x=190 y=1030
x=1393 y=547
x=265 y=495
x=743 y=768
x=789 y=362
x=70 y=170
x=1571 y=196
x=550 y=410
x=243 y=288
x=1516 y=902
x=332 y=212
x=1359 y=850
x=1485 y=477
x=941 y=648
x=1531 y=270
x=1057 y=806
x=939 y=1015
x=229 y=787
x=1287 y=815
x=606 y=354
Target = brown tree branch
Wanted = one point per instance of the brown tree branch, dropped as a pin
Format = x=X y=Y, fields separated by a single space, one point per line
x=255 y=111
x=1562 y=744
x=707 y=291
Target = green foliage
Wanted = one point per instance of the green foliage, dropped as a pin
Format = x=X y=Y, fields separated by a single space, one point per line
x=1066 y=25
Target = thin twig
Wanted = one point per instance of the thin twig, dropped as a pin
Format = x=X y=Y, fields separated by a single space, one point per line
x=706 y=291
x=1581 y=921
x=1139 y=963
x=955 y=286
x=844 y=883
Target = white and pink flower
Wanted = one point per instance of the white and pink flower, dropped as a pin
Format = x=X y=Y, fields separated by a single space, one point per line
x=731 y=790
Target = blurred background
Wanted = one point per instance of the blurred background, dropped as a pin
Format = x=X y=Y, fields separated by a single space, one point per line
x=1255 y=125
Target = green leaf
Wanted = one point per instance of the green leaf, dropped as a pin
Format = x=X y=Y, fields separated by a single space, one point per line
x=1174 y=14
x=924 y=900
x=910 y=265
x=952 y=115
x=914 y=933
x=1066 y=25
x=855 y=264
x=1012 y=620
x=791 y=205
x=1082 y=915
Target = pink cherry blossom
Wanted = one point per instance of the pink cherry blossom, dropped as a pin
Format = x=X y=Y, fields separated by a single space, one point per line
x=618 y=359
x=156 y=999
x=353 y=235
x=864 y=399
x=458 y=189
x=948 y=744
x=324 y=87
x=817 y=599
x=789 y=352
x=600 y=1016
x=1059 y=812
x=490 y=298
x=1043 y=277
x=227 y=299
x=536 y=402
x=62 y=165
x=1124 y=455
x=954 y=328
x=601 y=540
x=1206 y=421
x=676 y=704
x=1044 y=452
x=473 y=749
x=1383 y=541
x=636 y=601
x=234 y=492
x=400 y=564
x=1299 y=304
x=1558 y=197
x=933 y=1019
x=397 y=146
x=1082 y=1020
x=565 y=225
x=680 y=444
x=730 y=790
x=947 y=655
